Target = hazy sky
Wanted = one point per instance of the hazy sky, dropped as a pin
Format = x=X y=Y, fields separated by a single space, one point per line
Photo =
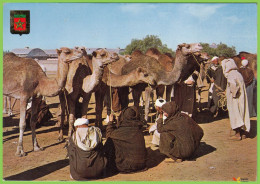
x=112 y=25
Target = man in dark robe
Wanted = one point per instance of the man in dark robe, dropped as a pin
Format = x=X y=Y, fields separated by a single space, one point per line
x=180 y=135
x=250 y=83
x=218 y=83
x=185 y=94
x=85 y=151
x=125 y=145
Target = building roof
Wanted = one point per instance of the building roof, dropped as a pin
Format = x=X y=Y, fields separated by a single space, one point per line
x=21 y=51
x=37 y=53
x=51 y=52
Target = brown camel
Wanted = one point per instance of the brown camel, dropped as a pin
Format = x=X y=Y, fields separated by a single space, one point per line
x=167 y=63
x=23 y=79
x=183 y=67
x=89 y=74
x=80 y=82
x=252 y=60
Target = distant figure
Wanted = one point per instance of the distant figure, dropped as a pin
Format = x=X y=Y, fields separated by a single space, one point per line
x=125 y=145
x=156 y=136
x=218 y=84
x=85 y=151
x=180 y=135
x=237 y=103
x=251 y=89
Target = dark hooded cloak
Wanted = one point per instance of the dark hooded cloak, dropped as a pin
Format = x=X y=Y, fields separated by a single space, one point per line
x=125 y=145
x=180 y=135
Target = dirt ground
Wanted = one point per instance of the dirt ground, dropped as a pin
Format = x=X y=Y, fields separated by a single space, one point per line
x=217 y=158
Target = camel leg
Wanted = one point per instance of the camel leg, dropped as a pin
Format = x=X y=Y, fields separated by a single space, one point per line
x=136 y=96
x=99 y=97
x=35 y=104
x=62 y=119
x=22 y=125
x=5 y=105
x=148 y=92
x=168 y=93
x=123 y=95
x=160 y=91
x=10 y=110
x=71 y=103
x=84 y=110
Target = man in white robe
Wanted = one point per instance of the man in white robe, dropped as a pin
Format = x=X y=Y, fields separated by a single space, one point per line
x=156 y=135
x=237 y=103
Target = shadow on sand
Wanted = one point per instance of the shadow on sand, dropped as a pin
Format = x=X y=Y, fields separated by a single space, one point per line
x=40 y=171
x=202 y=150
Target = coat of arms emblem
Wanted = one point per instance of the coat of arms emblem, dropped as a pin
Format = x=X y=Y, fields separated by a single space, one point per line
x=20 y=21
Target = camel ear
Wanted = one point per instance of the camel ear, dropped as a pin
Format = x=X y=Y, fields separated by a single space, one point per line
x=180 y=46
x=58 y=51
x=139 y=70
x=187 y=46
x=103 y=52
x=76 y=48
x=94 y=54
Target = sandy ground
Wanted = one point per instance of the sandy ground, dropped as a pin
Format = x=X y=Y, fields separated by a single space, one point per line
x=217 y=158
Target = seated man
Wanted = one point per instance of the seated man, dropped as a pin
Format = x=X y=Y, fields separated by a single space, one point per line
x=156 y=136
x=85 y=151
x=125 y=145
x=180 y=135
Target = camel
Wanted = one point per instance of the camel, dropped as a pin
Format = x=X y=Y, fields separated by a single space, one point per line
x=182 y=67
x=80 y=82
x=90 y=74
x=23 y=79
x=167 y=62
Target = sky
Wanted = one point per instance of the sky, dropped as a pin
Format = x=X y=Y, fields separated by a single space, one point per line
x=114 y=25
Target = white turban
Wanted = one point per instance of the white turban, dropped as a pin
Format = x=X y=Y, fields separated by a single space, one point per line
x=215 y=57
x=81 y=121
x=160 y=102
x=244 y=62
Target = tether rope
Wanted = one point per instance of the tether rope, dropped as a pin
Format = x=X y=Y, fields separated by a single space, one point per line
x=222 y=102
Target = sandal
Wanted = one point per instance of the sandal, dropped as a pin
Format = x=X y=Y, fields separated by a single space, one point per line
x=235 y=138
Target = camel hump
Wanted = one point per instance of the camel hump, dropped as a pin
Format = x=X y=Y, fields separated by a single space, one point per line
x=153 y=51
x=136 y=53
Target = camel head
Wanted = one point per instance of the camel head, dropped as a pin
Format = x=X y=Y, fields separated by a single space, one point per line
x=187 y=49
x=81 y=49
x=127 y=57
x=103 y=57
x=143 y=75
x=67 y=55
x=194 y=63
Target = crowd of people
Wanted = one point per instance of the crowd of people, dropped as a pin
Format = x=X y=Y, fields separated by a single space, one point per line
x=175 y=132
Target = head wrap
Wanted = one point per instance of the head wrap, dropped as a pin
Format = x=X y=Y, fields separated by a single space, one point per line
x=228 y=65
x=87 y=138
x=244 y=62
x=129 y=117
x=160 y=102
x=215 y=57
x=171 y=108
x=81 y=121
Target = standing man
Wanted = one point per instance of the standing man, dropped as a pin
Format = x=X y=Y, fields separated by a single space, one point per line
x=236 y=100
x=185 y=94
x=217 y=82
x=250 y=82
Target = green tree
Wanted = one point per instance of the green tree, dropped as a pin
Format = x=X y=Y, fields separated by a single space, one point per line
x=221 y=49
x=4 y=52
x=150 y=41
